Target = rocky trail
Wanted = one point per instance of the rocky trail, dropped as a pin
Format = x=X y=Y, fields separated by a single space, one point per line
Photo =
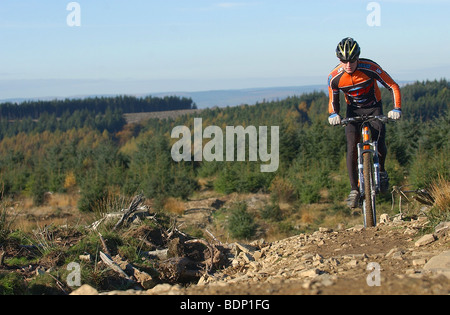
x=393 y=258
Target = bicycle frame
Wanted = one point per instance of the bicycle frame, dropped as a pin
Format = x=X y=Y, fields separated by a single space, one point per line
x=368 y=167
x=368 y=147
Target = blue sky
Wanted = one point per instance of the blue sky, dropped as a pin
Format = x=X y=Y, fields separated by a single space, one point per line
x=148 y=46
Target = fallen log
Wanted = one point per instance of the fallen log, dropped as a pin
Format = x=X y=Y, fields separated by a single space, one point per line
x=144 y=279
x=179 y=270
x=113 y=265
x=211 y=250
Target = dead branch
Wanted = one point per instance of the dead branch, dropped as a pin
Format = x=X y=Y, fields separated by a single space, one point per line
x=58 y=283
x=2 y=258
x=128 y=212
x=105 y=248
x=110 y=263
x=145 y=241
x=421 y=195
x=106 y=217
x=174 y=229
x=213 y=237
x=143 y=278
x=134 y=275
x=424 y=197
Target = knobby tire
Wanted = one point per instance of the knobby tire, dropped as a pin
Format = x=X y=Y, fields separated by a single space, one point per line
x=368 y=188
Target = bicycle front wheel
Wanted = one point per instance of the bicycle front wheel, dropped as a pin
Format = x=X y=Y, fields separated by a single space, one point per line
x=369 y=210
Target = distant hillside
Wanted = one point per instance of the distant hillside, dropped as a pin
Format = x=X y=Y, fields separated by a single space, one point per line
x=223 y=98
x=208 y=99
x=92 y=153
x=97 y=105
x=213 y=98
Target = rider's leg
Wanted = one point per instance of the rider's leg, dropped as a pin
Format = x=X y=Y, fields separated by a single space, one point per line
x=382 y=152
x=378 y=130
x=353 y=138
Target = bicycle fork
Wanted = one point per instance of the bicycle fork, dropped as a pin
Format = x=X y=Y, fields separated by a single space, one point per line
x=372 y=148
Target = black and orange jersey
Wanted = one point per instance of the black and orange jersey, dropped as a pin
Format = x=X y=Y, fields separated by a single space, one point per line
x=361 y=88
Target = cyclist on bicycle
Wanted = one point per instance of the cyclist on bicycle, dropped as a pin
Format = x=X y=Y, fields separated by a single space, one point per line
x=357 y=79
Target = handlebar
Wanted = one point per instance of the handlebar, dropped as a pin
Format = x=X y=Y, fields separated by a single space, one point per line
x=364 y=119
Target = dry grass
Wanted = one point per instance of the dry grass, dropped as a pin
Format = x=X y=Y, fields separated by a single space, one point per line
x=6 y=220
x=63 y=201
x=282 y=190
x=440 y=190
x=59 y=209
x=440 y=212
x=172 y=205
x=112 y=202
x=308 y=217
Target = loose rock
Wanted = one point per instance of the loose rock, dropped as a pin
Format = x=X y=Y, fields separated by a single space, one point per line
x=425 y=240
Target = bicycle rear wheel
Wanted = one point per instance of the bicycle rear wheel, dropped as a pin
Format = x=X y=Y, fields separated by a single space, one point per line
x=369 y=210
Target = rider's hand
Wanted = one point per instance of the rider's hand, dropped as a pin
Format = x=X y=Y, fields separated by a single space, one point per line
x=335 y=120
x=395 y=114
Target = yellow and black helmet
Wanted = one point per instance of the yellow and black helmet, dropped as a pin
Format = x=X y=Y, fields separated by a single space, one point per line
x=348 y=50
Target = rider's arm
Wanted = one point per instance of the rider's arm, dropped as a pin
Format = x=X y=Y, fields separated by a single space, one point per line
x=390 y=84
x=334 y=106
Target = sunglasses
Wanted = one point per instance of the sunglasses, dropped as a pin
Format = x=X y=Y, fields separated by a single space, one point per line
x=349 y=61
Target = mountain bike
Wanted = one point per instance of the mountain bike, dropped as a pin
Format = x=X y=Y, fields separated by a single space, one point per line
x=368 y=167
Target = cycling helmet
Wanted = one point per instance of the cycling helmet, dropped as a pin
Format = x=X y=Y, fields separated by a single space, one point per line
x=348 y=50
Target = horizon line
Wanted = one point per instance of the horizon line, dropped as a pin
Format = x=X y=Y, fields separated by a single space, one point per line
x=174 y=92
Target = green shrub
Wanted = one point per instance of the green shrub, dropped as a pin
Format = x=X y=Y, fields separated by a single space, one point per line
x=4 y=223
x=44 y=285
x=308 y=180
x=242 y=177
x=91 y=195
x=282 y=190
x=227 y=182
x=271 y=212
x=11 y=283
x=241 y=224
x=427 y=167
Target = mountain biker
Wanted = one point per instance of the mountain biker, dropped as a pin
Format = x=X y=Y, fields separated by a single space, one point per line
x=357 y=79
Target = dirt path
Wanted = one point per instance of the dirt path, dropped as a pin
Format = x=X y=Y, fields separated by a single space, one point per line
x=331 y=262
x=395 y=258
